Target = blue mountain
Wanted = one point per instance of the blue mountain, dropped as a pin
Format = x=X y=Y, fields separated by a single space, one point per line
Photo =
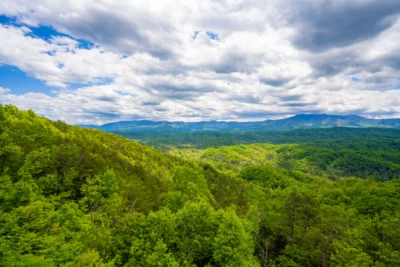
x=302 y=121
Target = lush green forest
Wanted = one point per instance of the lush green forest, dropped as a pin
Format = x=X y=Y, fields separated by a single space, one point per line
x=81 y=197
x=328 y=137
x=379 y=160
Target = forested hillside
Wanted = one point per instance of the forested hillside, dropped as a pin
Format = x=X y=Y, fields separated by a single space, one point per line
x=80 y=197
x=375 y=159
x=324 y=137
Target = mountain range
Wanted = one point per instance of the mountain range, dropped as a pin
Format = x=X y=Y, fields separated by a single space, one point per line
x=302 y=121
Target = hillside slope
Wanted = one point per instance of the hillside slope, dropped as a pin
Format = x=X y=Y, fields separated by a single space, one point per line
x=71 y=196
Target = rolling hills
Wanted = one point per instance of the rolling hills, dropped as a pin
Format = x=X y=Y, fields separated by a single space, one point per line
x=302 y=121
x=71 y=196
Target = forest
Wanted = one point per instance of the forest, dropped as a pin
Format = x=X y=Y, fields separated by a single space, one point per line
x=71 y=196
x=322 y=136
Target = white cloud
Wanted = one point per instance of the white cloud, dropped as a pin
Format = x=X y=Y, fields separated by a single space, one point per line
x=159 y=61
x=4 y=91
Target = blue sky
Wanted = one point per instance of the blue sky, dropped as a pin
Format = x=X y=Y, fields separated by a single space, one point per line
x=19 y=82
x=16 y=80
x=98 y=62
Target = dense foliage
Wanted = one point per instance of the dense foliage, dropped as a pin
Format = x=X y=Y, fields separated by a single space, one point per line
x=323 y=137
x=80 y=197
x=377 y=159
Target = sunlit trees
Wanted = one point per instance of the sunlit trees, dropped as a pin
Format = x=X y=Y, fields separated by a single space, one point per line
x=80 y=197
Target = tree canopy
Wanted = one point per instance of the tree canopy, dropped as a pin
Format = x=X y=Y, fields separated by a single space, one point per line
x=81 y=197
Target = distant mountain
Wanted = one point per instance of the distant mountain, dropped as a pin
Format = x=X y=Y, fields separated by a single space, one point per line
x=302 y=121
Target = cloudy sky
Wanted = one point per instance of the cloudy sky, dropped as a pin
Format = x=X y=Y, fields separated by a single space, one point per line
x=96 y=61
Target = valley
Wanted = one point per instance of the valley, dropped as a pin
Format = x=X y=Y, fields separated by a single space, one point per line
x=318 y=197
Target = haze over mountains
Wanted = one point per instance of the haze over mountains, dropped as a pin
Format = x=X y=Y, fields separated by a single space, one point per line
x=302 y=121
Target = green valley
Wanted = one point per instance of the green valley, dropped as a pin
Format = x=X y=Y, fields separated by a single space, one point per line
x=71 y=196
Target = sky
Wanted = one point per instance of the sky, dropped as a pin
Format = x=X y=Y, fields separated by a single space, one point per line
x=98 y=61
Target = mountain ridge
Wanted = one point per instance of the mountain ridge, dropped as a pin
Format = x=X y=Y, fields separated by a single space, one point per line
x=300 y=121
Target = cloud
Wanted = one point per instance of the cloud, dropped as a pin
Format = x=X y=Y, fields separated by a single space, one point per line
x=57 y=61
x=327 y=24
x=200 y=60
x=3 y=92
x=274 y=82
